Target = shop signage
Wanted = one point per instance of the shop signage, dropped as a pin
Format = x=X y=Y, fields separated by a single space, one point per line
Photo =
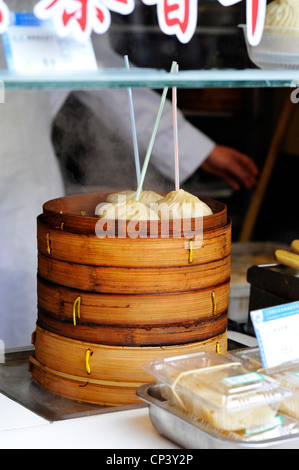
x=175 y=17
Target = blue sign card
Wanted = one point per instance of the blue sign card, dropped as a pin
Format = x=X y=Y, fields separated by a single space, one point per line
x=277 y=333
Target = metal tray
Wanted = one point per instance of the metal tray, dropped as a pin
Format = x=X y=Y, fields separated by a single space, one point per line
x=191 y=434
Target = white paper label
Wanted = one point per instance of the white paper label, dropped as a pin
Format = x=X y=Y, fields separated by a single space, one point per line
x=32 y=45
x=277 y=333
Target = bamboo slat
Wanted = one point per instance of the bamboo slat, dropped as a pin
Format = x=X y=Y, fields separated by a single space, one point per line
x=109 y=363
x=127 y=252
x=111 y=279
x=110 y=392
x=131 y=310
x=82 y=389
x=120 y=335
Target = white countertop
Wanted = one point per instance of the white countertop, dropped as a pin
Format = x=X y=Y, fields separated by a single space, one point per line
x=130 y=429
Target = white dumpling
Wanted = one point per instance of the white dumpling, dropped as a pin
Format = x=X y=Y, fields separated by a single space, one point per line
x=126 y=210
x=116 y=197
x=147 y=197
x=181 y=205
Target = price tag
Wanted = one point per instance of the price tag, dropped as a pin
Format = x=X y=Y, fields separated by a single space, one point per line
x=277 y=333
x=32 y=45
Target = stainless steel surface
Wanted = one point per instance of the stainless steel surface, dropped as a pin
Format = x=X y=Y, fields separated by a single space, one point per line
x=191 y=434
x=16 y=383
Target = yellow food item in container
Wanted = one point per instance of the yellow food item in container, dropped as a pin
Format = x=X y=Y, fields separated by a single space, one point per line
x=210 y=405
x=288 y=376
x=222 y=393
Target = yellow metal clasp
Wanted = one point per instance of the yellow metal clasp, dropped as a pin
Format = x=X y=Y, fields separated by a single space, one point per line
x=78 y=304
x=87 y=357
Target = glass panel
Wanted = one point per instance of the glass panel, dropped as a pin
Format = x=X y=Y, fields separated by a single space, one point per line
x=216 y=56
x=110 y=78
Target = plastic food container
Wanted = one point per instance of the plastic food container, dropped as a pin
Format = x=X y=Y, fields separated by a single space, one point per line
x=218 y=391
x=249 y=357
x=281 y=433
x=277 y=50
x=279 y=426
x=288 y=376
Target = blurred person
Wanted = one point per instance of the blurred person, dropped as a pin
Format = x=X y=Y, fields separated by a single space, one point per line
x=93 y=139
x=30 y=173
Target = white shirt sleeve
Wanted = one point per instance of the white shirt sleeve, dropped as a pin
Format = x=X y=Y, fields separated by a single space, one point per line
x=57 y=98
x=113 y=106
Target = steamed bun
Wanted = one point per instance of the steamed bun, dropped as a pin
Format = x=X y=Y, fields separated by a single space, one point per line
x=181 y=205
x=126 y=210
x=147 y=197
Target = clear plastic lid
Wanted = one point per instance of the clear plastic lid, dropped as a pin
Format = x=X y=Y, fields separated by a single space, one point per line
x=249 y=357
x=287 y=374
x=216 y=381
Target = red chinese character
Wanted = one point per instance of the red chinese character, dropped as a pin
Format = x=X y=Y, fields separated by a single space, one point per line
x=178 y=17
x=4 y=17
x=172 y=9
x=255 y=18
x=81 y=16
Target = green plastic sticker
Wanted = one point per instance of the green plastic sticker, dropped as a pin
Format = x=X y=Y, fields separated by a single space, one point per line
x=277 y=421
x=243 y=378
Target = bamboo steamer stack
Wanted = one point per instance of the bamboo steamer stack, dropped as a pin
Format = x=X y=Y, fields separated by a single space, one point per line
x=106 y=306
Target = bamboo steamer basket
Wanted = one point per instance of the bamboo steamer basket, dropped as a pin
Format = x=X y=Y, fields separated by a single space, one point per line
x=145 y=296
x=100 y=374
x=76 y=213
x=131 y=320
